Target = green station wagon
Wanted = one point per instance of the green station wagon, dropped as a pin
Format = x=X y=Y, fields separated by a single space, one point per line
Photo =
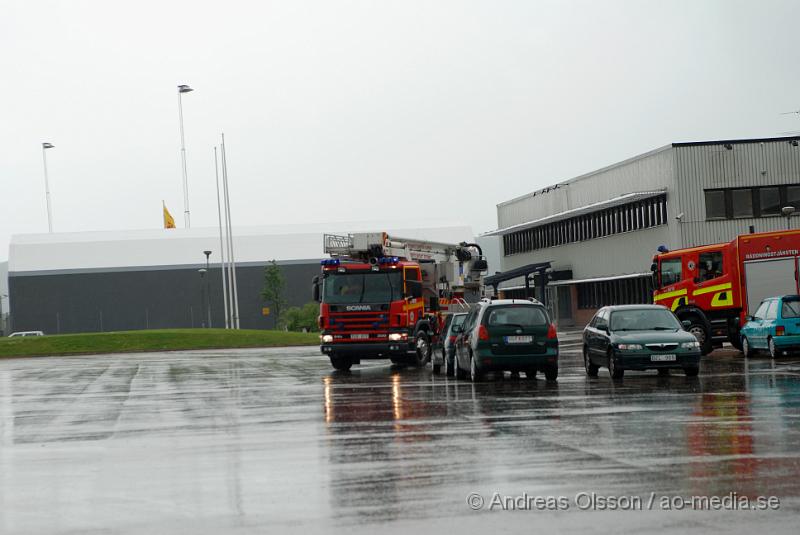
x=507 y=335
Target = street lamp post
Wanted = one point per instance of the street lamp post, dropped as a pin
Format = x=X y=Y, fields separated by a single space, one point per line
x=787 y=212
x=208 y=287
x=202 y=272
x=181 y=90
x=46 y=146
x=2 y=321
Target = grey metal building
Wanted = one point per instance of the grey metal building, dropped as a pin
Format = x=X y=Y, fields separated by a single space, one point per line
x=110 y=281
x=600 y=230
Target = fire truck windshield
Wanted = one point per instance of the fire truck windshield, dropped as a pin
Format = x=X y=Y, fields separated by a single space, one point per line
x=370 y=287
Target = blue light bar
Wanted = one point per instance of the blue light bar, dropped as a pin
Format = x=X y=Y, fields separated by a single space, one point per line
x=330 y=262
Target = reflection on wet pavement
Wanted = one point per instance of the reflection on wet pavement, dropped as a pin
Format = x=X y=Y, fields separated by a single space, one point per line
x=246 y=440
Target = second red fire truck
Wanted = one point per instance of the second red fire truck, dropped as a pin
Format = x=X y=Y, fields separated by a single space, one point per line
x=714 y=287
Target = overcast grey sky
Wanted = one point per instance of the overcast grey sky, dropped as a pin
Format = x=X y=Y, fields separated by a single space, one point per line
x=345 y=110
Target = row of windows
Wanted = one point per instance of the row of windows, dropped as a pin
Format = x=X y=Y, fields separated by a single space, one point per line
x=764 y=201
x=624 y=218
x=592 y=295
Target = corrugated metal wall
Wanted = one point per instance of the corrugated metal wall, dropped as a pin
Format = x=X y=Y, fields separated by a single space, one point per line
x=701 y=167
x=648 y=172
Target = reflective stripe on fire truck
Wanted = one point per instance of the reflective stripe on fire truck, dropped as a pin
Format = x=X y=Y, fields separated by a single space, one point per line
x=667 y=295
x=723 y=297
x=680 y=294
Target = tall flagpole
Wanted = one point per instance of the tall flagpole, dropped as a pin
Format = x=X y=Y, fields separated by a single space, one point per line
x=232 y=258
x=221 y=247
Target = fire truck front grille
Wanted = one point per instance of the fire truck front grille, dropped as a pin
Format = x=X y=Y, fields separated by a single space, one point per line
x=356 y=321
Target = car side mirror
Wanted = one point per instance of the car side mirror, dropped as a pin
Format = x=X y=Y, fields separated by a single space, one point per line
x=749 y=318
x=315 y=289
x=686 y=324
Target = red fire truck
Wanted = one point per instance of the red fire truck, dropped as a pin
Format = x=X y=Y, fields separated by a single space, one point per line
x=715 y=286
x=383 y=296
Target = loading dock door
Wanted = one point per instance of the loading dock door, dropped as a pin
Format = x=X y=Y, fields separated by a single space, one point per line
x=768 y=278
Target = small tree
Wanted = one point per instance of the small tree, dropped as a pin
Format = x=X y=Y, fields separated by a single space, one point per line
x=301 y=318
x=274 y=284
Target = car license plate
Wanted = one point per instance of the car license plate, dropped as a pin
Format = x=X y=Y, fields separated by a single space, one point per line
x=663 y=358
x=519 y=339
x=359 y=336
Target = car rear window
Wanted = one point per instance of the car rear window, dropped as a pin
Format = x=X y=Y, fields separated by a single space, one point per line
x=790 y=309
x=459 y=320
x=516 y=315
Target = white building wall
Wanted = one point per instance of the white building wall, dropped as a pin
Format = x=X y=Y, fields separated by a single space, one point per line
x=647 y=172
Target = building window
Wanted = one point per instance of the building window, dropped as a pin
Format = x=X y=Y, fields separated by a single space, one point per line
x=715 y=204
x=636 y=290
x=764 y=201
x=624 y=218
x=769 y=201
x=793 y=196
x=742 y=202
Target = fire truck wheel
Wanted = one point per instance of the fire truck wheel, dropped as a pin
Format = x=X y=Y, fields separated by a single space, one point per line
x=698 y=329
x=341 y=363
x=423 y=345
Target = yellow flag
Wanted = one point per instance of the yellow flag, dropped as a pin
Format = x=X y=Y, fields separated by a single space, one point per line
x=169 y=222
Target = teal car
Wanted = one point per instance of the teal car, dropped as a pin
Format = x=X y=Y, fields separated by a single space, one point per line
x=774 y=327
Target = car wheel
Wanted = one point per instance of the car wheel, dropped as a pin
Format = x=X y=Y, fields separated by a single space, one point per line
x=773 y=352
x=448 y=366
x=591 y=369
x=663 y=372
x=341 y=363
x=422 y=345
x=437 y=368
x=614 y=370
x=475 y=374
x=458 y=373
x=746 y=349
x=691 y=371
x=551 y=373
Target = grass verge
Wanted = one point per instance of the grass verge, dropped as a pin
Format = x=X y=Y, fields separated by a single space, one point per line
x=151 y=340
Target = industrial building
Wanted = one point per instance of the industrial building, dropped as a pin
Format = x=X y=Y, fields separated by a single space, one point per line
x=589 y=241
x=150 y=279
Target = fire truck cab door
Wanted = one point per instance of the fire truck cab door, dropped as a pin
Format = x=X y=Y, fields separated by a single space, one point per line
x=769 y=278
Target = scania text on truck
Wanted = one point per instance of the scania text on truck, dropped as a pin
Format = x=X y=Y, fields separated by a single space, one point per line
x=384 y=296
x=715 y=287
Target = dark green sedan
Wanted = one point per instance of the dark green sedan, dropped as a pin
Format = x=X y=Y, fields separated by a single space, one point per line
x=638 y=337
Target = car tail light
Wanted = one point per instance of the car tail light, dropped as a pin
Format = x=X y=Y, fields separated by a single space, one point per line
x=780 y=330
x=551 y=331
x=483 y=333
x=452 y=339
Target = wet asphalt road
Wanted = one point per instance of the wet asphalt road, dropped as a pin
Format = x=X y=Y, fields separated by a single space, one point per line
x=273 y=441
